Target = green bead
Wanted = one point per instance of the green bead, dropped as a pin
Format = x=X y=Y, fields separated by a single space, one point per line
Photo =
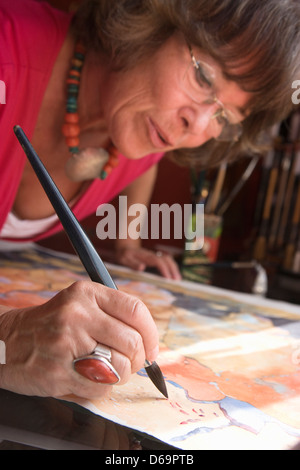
x=73 y=89
x=72 y=108
x=103 y=175
x=74 y=77
x=72 y=104
x=74 y=67
x=79 y=56
x=71 y=100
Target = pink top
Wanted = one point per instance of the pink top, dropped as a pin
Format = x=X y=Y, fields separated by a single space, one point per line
x=31 y=36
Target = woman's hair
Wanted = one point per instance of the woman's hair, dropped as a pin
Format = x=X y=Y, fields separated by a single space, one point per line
x=256 y=42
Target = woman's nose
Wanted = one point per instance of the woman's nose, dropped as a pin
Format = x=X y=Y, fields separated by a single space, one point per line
x=198 y=118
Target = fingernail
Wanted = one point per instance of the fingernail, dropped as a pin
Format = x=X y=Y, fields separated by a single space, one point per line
x=97 y=370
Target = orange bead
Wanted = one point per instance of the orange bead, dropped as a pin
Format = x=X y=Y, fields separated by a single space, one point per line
x=113 y=151
x=80 y=48
x=72 y=118
x=75 y=73
x=72 y=141
x=71 y=81
x=107 y=168
x=113 y=161
x=71 y=130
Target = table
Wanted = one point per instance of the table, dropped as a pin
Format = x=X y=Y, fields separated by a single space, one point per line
x=231 y=361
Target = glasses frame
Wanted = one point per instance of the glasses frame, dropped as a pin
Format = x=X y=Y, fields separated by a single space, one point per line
x=234 y=129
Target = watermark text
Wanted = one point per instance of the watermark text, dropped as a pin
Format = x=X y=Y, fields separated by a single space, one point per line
x=160 y=221
x=296 y=94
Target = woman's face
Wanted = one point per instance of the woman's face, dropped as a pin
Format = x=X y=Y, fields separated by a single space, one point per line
x=159 y=106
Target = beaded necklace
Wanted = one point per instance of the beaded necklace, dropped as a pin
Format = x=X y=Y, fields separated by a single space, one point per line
x=87 y=163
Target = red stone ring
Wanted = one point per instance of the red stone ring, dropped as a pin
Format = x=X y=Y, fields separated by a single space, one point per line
x=97 y=366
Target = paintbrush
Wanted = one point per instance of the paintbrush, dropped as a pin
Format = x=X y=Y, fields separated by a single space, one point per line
x=267 y=164
x=293 y=176
x=244 y=178
x=290 y=250
x=281 y=193
x=296 y=263
x=261 y=241
x=81 y=243
x=214 y=197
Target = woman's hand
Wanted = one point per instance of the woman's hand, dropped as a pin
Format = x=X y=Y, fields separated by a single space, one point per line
x=139 y=259
x=42 y=341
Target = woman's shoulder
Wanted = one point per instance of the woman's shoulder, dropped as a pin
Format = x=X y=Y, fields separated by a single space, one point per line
x=30 y=26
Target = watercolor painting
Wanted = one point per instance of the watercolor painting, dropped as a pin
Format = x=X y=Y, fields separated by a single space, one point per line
x=231 y=361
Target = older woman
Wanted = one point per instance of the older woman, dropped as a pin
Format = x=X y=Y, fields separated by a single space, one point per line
x=103 y=95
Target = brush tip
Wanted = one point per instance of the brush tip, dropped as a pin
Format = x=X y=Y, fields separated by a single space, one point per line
x=155 y=375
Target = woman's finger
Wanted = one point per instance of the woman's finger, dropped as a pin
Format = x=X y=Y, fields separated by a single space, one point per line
x=140 y=258
x=130 y=311
x=166 y=265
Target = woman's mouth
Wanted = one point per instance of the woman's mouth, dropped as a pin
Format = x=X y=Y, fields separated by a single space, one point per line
x=157 y=136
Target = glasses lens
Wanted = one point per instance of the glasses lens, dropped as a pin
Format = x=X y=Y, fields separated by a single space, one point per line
x=221 y=128
x=198 y=83
x=230 y=133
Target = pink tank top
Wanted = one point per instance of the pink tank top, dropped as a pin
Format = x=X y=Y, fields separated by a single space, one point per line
x=31 y=36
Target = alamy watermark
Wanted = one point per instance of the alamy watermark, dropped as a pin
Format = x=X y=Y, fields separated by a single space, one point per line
x=2 y=92
x=296 y=94
x=2 y=353
x=160 y=221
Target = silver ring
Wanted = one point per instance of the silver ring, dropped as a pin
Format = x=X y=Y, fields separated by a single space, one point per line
x=159 y=254
x=102 y=351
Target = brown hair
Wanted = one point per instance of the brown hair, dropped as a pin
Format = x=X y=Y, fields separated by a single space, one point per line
x=257 y=43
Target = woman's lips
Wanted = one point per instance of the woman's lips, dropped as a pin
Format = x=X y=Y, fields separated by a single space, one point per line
x=158 y=138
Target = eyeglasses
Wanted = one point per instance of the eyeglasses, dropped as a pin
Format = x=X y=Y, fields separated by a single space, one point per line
x=199 y=84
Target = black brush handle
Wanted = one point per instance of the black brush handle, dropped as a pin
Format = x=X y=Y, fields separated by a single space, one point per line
x=81 y=243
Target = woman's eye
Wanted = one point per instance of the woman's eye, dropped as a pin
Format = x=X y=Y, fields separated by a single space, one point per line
x=222 y=119
x=202 y=78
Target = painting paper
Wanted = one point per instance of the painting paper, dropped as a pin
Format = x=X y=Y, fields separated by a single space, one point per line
x=231 y=361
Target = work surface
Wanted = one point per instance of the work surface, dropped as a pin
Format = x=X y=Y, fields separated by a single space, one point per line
x=231 y=361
